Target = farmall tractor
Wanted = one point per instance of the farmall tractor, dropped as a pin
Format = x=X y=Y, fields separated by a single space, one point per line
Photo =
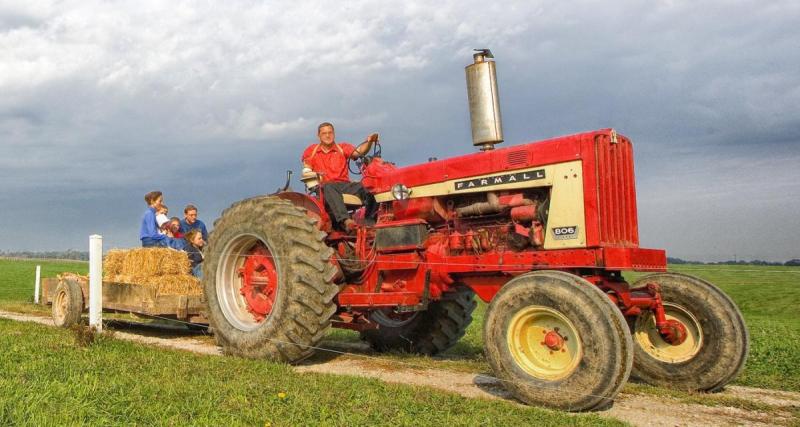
x=540 y=231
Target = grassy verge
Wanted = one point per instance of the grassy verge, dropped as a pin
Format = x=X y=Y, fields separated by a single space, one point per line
x=49 y=378
x=767 y=296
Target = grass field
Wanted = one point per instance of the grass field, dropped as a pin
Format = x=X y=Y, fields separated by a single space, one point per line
x=17 y=278
x=767 y=296
x=49 y=379
x=46 y=377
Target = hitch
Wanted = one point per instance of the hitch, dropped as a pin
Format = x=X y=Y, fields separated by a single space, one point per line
x=672 y=331
x=633 y=301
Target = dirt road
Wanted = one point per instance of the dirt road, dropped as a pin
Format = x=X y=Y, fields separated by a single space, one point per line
x=637 y=409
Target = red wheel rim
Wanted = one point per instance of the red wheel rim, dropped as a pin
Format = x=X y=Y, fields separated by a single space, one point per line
x=259 y=282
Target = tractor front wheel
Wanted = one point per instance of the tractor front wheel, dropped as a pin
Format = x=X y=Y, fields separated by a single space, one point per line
x=716 y=343
x=556 y=340
x=426 y=332
x=268 y=281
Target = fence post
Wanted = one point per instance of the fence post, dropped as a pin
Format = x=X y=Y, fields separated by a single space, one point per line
x=96 y=281
x=36 y=286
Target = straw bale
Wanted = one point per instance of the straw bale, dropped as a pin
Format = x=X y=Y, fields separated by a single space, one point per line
x=73 y=276
x=178 y=284
x=170 y=284
x=147 y=262
x=167 y=270
x=112 y=263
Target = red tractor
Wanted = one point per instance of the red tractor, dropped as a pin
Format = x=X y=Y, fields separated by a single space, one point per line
x=541 y=231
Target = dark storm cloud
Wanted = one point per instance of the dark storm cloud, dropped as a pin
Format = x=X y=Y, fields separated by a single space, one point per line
x=102 y=104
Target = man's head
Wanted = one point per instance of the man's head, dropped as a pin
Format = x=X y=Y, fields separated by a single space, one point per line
x=153 y=199
x=190 y=214
x=325 y=133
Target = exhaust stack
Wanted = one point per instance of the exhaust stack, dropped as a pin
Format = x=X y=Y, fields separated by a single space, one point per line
x=484 y=103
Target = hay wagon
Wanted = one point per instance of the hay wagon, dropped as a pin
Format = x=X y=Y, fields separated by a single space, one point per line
x=148 y=282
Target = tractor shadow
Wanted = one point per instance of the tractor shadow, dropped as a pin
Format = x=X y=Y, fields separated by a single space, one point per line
x=158 y=329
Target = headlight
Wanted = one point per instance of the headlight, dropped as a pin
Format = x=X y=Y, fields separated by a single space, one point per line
x=400 y=192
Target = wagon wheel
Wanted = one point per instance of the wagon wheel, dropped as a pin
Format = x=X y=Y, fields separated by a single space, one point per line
x=67 y=303
x=716 y=340
x=556 y=340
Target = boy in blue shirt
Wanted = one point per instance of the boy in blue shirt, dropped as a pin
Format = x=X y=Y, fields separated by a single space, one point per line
x=149 y=230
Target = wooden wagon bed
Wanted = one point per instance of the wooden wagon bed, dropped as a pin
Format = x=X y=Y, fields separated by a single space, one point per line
x=144 y=300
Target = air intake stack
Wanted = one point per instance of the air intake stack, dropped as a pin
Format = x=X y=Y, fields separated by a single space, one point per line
x=484 y=103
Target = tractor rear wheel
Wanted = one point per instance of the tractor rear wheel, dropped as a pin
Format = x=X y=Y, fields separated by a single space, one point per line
x=67 y=303
x=716 y=343
x=556 y=340
x=268 y=281
x=426 y=332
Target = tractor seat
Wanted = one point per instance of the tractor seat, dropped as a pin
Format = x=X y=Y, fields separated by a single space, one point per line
x=351 y=200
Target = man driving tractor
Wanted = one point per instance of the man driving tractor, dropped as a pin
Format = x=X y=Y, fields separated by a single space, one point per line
x=329 y=160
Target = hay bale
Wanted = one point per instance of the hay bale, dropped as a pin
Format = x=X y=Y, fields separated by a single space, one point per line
x=146 y=262
x=73 y=276
x=178 y=284
x=112 y=263
x=166 y=270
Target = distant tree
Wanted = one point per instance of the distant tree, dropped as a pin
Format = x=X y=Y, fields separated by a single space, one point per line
x=68 y=254
x=671 y=260
x=792 y=263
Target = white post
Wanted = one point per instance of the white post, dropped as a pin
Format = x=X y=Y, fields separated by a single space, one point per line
x=96 y=281
x=36 y=287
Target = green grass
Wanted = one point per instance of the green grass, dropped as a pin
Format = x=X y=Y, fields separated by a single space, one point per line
x=767 y=296
x=47 y=378
x=17 y=278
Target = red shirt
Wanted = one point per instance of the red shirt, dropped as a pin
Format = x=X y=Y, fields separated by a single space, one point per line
x=332 y=164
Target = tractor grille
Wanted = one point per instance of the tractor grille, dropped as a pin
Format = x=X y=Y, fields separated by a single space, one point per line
x=616 y=192
x=518 y=157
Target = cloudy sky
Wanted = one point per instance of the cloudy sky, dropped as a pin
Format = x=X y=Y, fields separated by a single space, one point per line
x=101 y=102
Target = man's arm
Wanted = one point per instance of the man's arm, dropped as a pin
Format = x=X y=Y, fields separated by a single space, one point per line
x=203 y=230
x=365 y=146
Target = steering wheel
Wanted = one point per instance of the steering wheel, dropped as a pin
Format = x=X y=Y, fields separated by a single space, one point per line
x=362 y=162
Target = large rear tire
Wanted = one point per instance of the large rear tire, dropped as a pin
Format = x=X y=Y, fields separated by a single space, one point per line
x=426 y=332
x=268 y=281
x=556 y=340
x=717 y=340
x=67 y=303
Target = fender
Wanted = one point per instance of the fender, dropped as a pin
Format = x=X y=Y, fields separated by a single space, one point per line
x=311 y=205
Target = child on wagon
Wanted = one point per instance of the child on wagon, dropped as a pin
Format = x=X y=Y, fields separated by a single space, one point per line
x=194 y=245
x=175 y=227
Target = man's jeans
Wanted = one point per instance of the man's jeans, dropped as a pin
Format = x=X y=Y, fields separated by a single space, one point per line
x=334 y=203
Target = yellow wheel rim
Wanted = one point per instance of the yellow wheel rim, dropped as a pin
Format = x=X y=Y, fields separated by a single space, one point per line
x=544 y=343
x=647 y=337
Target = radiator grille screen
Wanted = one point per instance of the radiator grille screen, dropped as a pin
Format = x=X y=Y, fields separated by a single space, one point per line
x=616 y=192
